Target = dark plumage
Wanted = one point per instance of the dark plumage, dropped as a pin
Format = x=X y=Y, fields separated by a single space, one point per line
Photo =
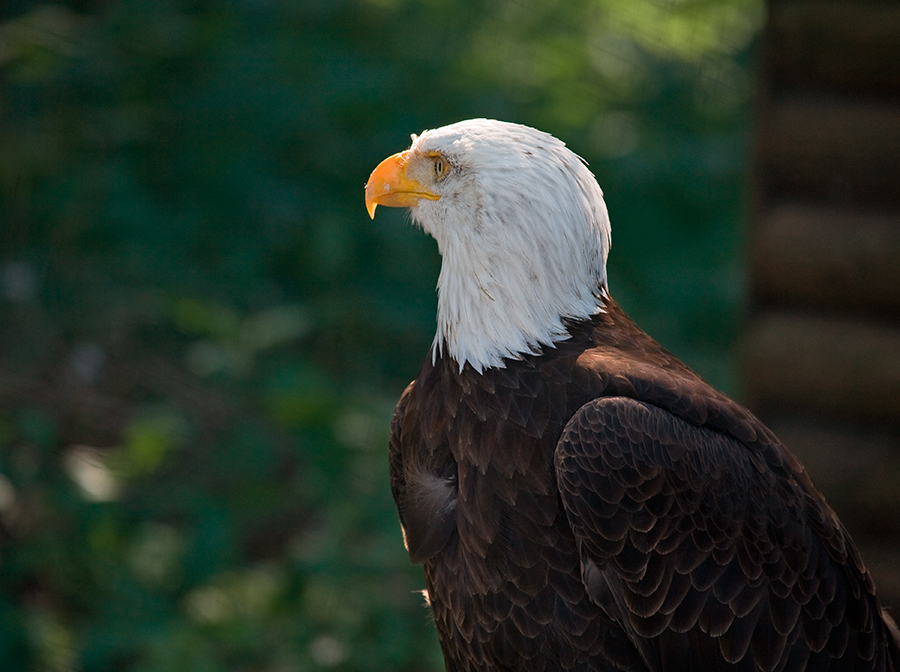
x=598 y=506
x=594 y=505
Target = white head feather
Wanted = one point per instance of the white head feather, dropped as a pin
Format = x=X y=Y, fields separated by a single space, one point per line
x=524 y=234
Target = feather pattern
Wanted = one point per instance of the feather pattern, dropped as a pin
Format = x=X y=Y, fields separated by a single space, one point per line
x=618 y=530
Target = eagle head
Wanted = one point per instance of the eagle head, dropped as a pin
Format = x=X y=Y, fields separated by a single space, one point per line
x=522 y=229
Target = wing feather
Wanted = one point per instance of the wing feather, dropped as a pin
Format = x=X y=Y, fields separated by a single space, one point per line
x=711 y=552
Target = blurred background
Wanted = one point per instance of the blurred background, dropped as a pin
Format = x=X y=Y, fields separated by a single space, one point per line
x=202 y=334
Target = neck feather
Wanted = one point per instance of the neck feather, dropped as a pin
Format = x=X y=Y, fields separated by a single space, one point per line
x=492 y=306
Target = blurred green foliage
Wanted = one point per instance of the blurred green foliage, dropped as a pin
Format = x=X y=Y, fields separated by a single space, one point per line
x=202 y=335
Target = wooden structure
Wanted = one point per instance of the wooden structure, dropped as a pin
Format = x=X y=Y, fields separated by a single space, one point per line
x=821 y=361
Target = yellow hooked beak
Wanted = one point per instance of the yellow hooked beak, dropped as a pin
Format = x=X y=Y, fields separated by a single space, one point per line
x=392 y=184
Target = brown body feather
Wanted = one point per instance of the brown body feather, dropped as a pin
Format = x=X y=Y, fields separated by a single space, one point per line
x=599 y=507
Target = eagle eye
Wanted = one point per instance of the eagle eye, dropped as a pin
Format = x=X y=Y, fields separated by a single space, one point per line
x=440 y=167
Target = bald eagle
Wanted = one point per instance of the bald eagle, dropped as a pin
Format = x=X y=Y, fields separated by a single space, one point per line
x=580 y=499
